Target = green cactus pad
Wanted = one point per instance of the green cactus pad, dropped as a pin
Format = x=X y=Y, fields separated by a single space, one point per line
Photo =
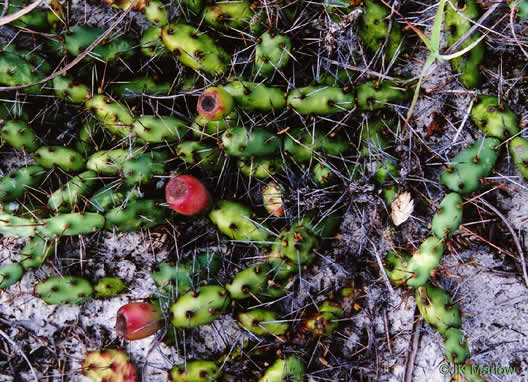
x=449 y=216
x=240 y=142
x=107 y=287
x=263 y=322
x=115 y=116
x=298 y=244
x=456 y=349
x=320 y=100
x=386 y=172
x=322 y=174
x=205 y=128
x=252 y=96
x=105 y=199
x=19 y=135
x=436 y=308
x=71 y=224
x=88 y=138
x=272 y=52
x=458 y=21
x=153 y=129
x=519 y=152
x=13 y=185
x=137 y=215
x=227 y=15
x=423 y=262
x=141 y=85
x=78 y=38
x=13 y=110
x=199 y=308
x=143 y=167
x=178 y=279
x=195 y=371
x=193 y=6
x=494 y=119
x=470 y=165
x=260 y=168
x=17 y=71
x=59 y=156
x=10 y=274
x=64 y=290
x=374 y=30
x=68 y=89
x=37 y=19
x=521 y=8
x=290 y=369
x=151 y=44
x=396 y=265
x=200 y=154
x=70 y=195
x=249 y=282
x=12 y=226
x=337 y=8
x=195 y=50
x=323 y=224
x=389 y=193
x=108 y=162
x=36 y=251
x=376 y=95
x=376 y=137
x=332 y=307
x=302 y=144
x=235 y=221
x=39 y=63
x=156 y=13
x=321 y=324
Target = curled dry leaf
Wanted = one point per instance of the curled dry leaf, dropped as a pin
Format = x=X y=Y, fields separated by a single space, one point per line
x=402 y=207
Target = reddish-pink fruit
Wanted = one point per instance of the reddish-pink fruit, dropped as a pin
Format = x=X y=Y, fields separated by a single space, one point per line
x=187 y=195
x=110 y=365
x=214 y=104
x=138 y=320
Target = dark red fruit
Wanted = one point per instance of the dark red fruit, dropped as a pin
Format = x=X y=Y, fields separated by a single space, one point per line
x=187 y=195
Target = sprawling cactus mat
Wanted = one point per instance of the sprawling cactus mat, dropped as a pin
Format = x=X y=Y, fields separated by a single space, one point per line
x=263 y=191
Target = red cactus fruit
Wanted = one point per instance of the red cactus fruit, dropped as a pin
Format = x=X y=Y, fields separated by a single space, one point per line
x=110 y=365
x=214 y=104
x=187 y=195
x=138 y=320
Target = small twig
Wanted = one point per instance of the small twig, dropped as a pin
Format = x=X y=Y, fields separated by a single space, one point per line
x=514 y=235
x=413 y=349
x=8 y=339
x=18 y=14
x=78 y=58
x=387 y=334
x=382 y=268
x=6 y=8
x=483 y=239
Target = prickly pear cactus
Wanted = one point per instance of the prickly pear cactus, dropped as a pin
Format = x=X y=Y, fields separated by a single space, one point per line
x=64 y=290
x=199 y=308
x=195 y=371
